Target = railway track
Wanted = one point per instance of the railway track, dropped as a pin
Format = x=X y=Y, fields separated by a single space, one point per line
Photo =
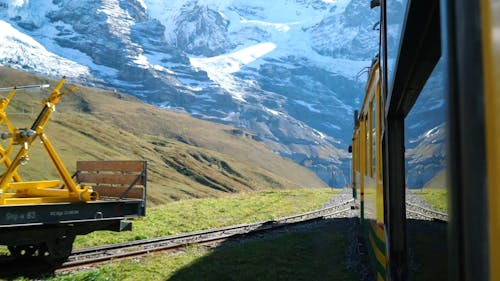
x=86 y=258
x=419 y=212
x=96 y=255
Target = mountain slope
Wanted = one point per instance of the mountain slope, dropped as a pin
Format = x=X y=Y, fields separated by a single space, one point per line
x=212 y=59
x=186 y=157
x=289 y=71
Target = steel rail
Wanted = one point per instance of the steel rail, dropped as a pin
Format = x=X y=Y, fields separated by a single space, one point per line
x=426 y=212
x=142 y=247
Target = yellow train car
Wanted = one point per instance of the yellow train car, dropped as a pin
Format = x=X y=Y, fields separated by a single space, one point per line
x=463 y=35
x=367 y=168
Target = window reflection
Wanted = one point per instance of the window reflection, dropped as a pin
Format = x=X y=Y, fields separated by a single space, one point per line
x=396 y=10
x=425 y=143
x=425 y=135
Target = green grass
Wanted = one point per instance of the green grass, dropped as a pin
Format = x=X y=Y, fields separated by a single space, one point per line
x=197 y=214
x=317 y=255
x=314 y=255
x=437 y=198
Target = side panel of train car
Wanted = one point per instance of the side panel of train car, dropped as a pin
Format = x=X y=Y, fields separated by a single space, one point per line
x=47 y=230
x=367 y=171
x=464 y=35
x=490 y=21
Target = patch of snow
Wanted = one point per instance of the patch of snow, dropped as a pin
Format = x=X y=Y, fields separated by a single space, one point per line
x=431 y=134
x=194 y=89
x=319 y=134
x=279 y=26
x=279 y=10
x=230 y=63
x=308 y=105
x=438 y=104
x=273 y=112
x=143 y=4
x=118 y=20
x=164 y=69
x=20 y=50
x=119 y=23
x=45 y=34
x=33 y=11
x=232 y=116
x=168 y=12
x=141 y=60
x=330 y=125
x=220 y=68
x=340 y=5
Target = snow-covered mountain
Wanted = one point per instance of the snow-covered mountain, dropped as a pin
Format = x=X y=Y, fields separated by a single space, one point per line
x=286 y=70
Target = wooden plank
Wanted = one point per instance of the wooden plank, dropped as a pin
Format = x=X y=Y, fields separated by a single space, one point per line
x=117 y=191
x=103 y=178
x=128 y=166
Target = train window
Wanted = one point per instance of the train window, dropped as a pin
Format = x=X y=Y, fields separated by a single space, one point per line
x=396 y=11
x=425 y=143
x=425 y=134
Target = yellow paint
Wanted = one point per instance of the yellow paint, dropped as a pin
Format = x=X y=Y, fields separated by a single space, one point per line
x=378 y=254
x=379 y=230
x=367 y=148
x=369 y=144
x=357 y=160
x=34 y=184
x=353 y=162
x=362 y=152
x=38 y=200
x=378 y=155
x=490 y=16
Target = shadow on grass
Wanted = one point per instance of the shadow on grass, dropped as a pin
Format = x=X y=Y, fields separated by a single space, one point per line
x=324 y=250
x=320 y=252
x=26 y=268
x=316 y=252
x=427 y=250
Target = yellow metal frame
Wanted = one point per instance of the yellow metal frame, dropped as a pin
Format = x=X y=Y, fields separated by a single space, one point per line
x=4 y=153
x=16 y=191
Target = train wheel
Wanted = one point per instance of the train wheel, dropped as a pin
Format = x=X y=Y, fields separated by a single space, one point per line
x=57 y=251
x=23 y=251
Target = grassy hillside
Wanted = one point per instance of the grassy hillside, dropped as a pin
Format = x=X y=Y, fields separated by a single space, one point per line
x=439 y=181
x=435 y=191
x=186 y=157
